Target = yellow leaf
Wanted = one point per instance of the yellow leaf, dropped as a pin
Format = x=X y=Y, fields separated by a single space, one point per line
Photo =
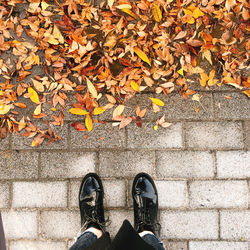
x=207 y=55
x=52 y=40
x=135 y=86
x=157 y=101
x=33 y=95
x=44 y=5
x=191 y=20
x=91 y=88
x=196 y=97
x=4 y=109
x=88 y=123
x=58 y=35
x=211 y=81
x=130 y=12
x=180 y=71
x=197 y=13
x=53 y=109
x=78 y=111
x=156 y=127
x=204 y=78
x=118 y=110
x=99 y=110
x=124 y=6
x=38 y=110
x=142 y=55
x=247 y=92
x=157 y=13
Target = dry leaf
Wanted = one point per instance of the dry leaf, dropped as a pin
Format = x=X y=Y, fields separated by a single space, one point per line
x=118 y=110
x=157 y=101
x=33 y=95
x=142 y=55
x=78 y=111
x=91 y=88
x=156 y=13
x=88 y=123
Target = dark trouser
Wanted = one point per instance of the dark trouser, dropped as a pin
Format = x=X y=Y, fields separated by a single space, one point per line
x=126 y=238
x=2 y=238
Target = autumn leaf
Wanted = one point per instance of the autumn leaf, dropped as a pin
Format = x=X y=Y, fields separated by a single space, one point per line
x=124 y=6
x=33 y=95
x=118 y=110
x=38 y=85
x=78 y=126
x=212 y=81
x=157 y=101
x=78 y=111
x=20 y=105
x=38 y=110
x=204 y=78
x=207 y=55
x=130 y=12
x=57 y=34
x=4 y=109
x=88 y=122
x=99 y=110
x=110 y=3
x=91 y=88
x=197 y=13
x=142 y=55
x=135 y=86
x=157 y=13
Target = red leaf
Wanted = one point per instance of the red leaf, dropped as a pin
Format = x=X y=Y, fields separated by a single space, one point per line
x=138 y=122
x=78 y=126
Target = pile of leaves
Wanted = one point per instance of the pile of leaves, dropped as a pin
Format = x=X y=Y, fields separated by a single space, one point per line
x=111 y=52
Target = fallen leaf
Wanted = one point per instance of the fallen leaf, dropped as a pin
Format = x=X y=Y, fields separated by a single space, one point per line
x=4 y=109
x=157 y=13
x=157 y=101
x=33 y=95
x=78 y=126
x=78 y=111
x=91 y=88
x=99 y=110
x=88 y=123
x=142 y=55
x=118 y=110
x=135 y=86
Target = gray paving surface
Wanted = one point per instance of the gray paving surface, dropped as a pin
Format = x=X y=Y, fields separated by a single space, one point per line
x=200 y=165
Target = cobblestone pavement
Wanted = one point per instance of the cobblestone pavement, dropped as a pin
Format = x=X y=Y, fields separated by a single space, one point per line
x=200 y=165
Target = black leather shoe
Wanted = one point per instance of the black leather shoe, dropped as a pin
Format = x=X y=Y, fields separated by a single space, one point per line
x=145 y=200
x=91 y=202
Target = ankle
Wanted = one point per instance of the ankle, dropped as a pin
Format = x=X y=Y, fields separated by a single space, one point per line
x=95 y=231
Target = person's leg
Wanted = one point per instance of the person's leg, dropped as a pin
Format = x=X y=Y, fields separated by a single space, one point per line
x=145 y=201
x=152 y=240
x=92 y=212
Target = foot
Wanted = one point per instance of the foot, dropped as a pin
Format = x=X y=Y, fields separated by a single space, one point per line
x=91 y=202
x=145 y=200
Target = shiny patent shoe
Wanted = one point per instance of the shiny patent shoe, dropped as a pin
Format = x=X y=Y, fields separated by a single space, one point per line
x=145 y=201
x=91 y=202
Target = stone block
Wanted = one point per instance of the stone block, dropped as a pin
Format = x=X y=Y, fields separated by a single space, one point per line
x=147 y=137
x=74 y=192
x=217 y=245
x=22 y=165
x=214 y=135
x=5 y=143
x=235 y=225
x=126 y=163
x=102 y=136
x=37 y=245
x=176 y=107
x=60 y=224
x=184 y=164
x=235 y=108
x=233 y=164
x=175 y=245
x=39 y=194
x=247 y=134
x=67 y=164
x=114 y=193
x=20 y=225
x=4 y=194
x=189 y=225
x=219 y=194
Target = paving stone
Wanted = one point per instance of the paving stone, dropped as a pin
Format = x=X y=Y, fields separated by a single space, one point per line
x=36 y=245
x=184 y=164
x=74 y=192
x=214 y=135
x=4 y=143
x=126 y=163
x=39 y=194
x=235 y=108
x=114 y=193
x=175 y=245
x=22 y=165
x=102 y=136
x=172 y=194
x=60 y=224
x=19 y=225
x=233 y=164
x=217 y=245
x=22 y=142
x=4 y=194
x=247 y=134
x=235 y=225
x=147 y=137
x=189 y=225
x=218 y=194
x=67 y=164
x=117 y=217
x=176 y=107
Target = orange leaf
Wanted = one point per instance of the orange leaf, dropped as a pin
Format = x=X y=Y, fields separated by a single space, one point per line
x=78 y=111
